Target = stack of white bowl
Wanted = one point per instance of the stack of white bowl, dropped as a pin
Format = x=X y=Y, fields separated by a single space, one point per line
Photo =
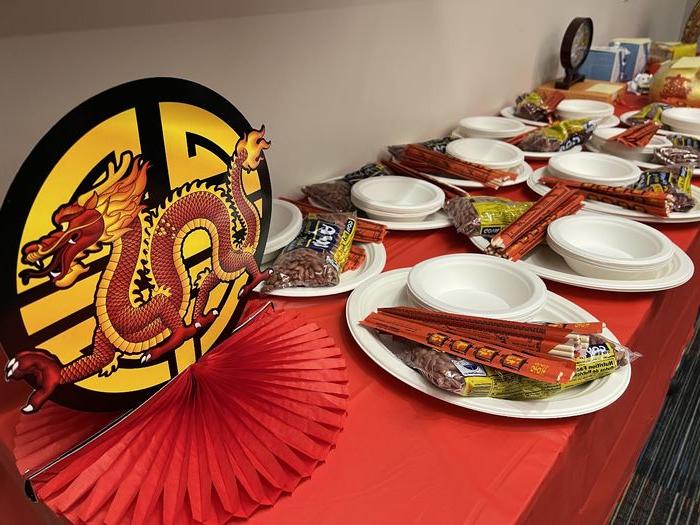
x=683 y=120
x=402 y=199
x=491 y=127
x=605 y=247
x=574 y=108
x=285 y=225
x=489 y=153
x=597 y=168
x=477 y=285
x=601 y=141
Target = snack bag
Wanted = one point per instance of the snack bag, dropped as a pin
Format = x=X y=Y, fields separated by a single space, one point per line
x=333 y=195
x=468 y=379
x=485 y=216
x=560 y=136
x=531 y=106
x=318 y=254
x=372 y=169
x=439 y=145
x=685 y=150
x=675 y=180
x=649 y=113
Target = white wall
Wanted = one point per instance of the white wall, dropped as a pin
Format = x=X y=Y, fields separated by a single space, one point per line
x=333 y=85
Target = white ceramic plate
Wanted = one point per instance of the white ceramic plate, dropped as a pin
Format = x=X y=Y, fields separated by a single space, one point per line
x=285 y=224
x=546 y=155
x=641 y=164
x=523 y=173
x=549 y=265
x=389 y=289
x=373 y=266
x=601 y=207
x=509 y=112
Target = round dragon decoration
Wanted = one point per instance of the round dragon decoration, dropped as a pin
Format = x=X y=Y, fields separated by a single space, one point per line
x=132 y=233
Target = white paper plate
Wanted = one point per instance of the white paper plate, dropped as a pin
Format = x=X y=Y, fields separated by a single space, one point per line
x=509 y=112
x=625 y=120
x=641 y=164
x=373 y=266
x=460 y=133
x=285 y=224
x=549 y=265
x=389 y=289
x=600 y=207
x=546 y=155
x=524 y=171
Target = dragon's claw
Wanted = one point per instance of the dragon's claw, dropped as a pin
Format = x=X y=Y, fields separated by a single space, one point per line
x=43 y=372
x=145 y=358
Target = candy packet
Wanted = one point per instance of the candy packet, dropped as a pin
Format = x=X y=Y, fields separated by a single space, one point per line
x=533 y=106
x=560 y=136
x=316 y=257
x=675 y=180
x=684 y=150
x=335 y=195
x=438 y=144
x=469 y=379
x=485 y=216
x=649 y=113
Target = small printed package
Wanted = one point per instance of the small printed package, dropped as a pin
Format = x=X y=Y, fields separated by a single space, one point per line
x=635 y=62
x=662 y=51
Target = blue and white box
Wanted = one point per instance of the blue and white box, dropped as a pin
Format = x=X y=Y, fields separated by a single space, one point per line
x=636 y=61
x=604 y=63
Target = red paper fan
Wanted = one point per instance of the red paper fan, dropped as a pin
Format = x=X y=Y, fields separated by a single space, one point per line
x=234 y=431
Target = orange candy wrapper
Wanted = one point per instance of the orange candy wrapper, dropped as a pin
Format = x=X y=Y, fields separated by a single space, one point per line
x=540 y=368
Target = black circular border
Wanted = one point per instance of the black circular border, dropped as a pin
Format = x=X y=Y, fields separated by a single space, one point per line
x=49 y=150
x=568 y=41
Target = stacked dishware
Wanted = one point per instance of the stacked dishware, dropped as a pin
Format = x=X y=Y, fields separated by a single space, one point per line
x=574 y=108
x=477 y=285
x=683 y=120
x=601 y=141
x=491 y=127
x=596 y=168
x=607 y=247
x=399 y=199
x=489 y=153
x=285 y=224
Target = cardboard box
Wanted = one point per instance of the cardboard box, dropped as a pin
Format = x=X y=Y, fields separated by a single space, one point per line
x=635 y=61
x=662 y=51
x=604 y=63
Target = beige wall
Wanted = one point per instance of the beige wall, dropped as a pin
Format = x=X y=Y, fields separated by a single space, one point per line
x=332 y=85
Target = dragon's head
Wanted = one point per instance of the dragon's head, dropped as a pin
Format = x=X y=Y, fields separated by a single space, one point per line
x=98 y=217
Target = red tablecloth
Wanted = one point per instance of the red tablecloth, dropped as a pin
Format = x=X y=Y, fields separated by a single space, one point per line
x=405 y=457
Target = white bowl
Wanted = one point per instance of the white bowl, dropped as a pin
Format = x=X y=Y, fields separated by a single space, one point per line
x=478 y=285
x=597 y=168
x=574 y=108
x=397 y=195
x=285 y=225
x=609 y=247
x=486 y=152
x=602 y=135
x=685 y=120
x=491 y=127
x=398 y=217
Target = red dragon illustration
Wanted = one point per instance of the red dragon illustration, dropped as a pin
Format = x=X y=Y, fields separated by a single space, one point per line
x=131 y=319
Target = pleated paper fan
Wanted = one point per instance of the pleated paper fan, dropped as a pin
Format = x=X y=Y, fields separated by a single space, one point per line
x=245 y=424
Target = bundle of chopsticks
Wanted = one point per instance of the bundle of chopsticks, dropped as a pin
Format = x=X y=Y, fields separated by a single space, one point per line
x=637 y=136
x=657 y=203
x=541 y=351
x=365 y=232
x=551 y=100
x=449 y=190
x=530 y=229
x=425 y=160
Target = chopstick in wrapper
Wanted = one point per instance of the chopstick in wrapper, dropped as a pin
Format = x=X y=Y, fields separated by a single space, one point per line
x=637 y=136
x=356 y=258
x=652 y=202
x=552 y=332
x=537 y=212
x=449 y=190
x=540 y=368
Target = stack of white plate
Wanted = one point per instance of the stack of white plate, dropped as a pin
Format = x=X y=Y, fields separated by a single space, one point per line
x=399 y=199
x=597 y=168
x=487 y=152
x=574 y=108
x=610 y=247
x=491 y=127
x=601 y=137
x=285 y=225
x=478 y=285
x=684 y=120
